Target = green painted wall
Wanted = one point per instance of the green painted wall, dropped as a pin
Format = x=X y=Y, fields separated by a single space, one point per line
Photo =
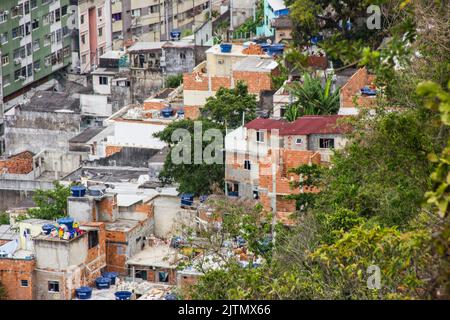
x=39 y=55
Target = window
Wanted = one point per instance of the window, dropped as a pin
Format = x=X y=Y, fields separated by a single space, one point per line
x=3 y=16
x=66 y=52
x=82 y=19
x=6 y=80
x=64 y=10
x=247 y=165
x=5 y=59
x=36 y=45
x=99 y=12
x=37 y=65
x=100 y=32
x=17 y=11
x=35 y=24
x=30 y=70
x=27 y=7
x=154 y=9
x=93 y=239
x=259 y=136
x=47 y=39
x=141 y=274
x=163 y=276
x=83 y=58
x=326 y=143
x=136 y=13
x=48 y=61
x=298 y=141
x=103 y=80
x=20 y=74
x=4 y=37
x=33 y=4
x=24 y=283
x=83 y=39
x=117 y=16
x=53 y=286
x=29 y=49
x=17 y=32
x=58 y=15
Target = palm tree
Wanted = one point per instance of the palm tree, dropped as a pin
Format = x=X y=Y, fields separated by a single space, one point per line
x=312 y=98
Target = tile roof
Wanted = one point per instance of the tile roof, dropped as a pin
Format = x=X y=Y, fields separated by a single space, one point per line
x=302 y=126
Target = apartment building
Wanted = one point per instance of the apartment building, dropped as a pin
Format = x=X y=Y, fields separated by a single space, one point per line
x=35 y=42
x=154 y=20
x=253 y=150
x=95 y=32
x=273 y=9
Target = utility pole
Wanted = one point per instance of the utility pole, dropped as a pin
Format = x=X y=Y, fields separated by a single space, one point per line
x=231 y=19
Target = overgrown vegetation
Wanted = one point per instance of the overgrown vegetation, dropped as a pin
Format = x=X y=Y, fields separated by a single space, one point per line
x=3 y=293
x=50 y=204
x=4 y=218
x=383 y=203
x=174 y=81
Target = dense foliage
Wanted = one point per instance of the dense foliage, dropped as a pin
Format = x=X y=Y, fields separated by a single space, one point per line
x=50 y=204
x=382 y=215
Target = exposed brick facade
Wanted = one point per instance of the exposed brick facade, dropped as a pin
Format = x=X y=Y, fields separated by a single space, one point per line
x=256 y=81
x=110 y=150
x=21 y=163
x=349 y=93
x=191 y=112
x=12 y=272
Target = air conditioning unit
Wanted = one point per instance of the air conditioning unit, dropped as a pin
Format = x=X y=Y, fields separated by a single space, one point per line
x=18 y=61
x=37 y=69
x=22 y=78
x=113 y=20
x=220 y=61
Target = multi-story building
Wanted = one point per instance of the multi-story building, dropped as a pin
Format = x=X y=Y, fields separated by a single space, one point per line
x=154 y=20
x=253 y=150
x=35 y=42
x=272 y=9
x=95 y=32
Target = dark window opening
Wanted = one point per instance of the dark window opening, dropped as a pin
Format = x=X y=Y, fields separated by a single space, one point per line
x=53 y=286
x=141 y=274
x=247 y=165
x=93 y=239
x=163 y=276
x=326 y=143
x=24 y=283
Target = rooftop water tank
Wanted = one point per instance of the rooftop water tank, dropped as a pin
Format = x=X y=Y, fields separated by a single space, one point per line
x=187 y=199
x=123 y=295
x=47 y=228
x=112 y=276
x=68 y=221
x=226 y=47
x=97 y=191
x=175 y=34
x=167 y=112
x=83 y=293
x=78 y=191
x=103 y=283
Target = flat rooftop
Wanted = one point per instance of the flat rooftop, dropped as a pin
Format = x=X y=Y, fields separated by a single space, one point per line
x=236 y=50
x=255 y=64
x=50 y=101
x=159 y=256
x=122 y=225
x=107 y=174
x=87 y=135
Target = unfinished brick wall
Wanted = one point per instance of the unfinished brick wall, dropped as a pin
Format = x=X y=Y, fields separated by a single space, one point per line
x=110 y=150
x=195 y=81
x=21 y=163
x=108 y=208
x=349 y=94
x=154 y=105
x=146 y=208
x=12 y=271
x=220 y=82
x=191 y=112
x=256 y=81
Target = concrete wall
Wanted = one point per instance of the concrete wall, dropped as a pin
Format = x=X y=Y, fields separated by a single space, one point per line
x=179 y=60
x=169 y=216
x=51 y=130
x=60 y=254
x=136 y=134
x=94 y=104
x=10 y=198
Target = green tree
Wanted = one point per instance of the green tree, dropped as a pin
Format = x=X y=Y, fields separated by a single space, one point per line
x=312 y=99
x=229 y=105
x=174 y=81
x=51 y=204
x=4 y=218
x=191 y=177
x=3 y=293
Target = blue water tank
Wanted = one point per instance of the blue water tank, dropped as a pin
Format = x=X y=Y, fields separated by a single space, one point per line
x=170 y=296
x=123 y=295
x=175 y=34
x=167 y=112
x=276 y=49
x=78 y=191
x=103 y=283
x=203 y=198
x=112 y=276
x=180 y=111
x=68 y=221
x=226 y=47
x=83 y=293
x=187 y=199
x=47 y=228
